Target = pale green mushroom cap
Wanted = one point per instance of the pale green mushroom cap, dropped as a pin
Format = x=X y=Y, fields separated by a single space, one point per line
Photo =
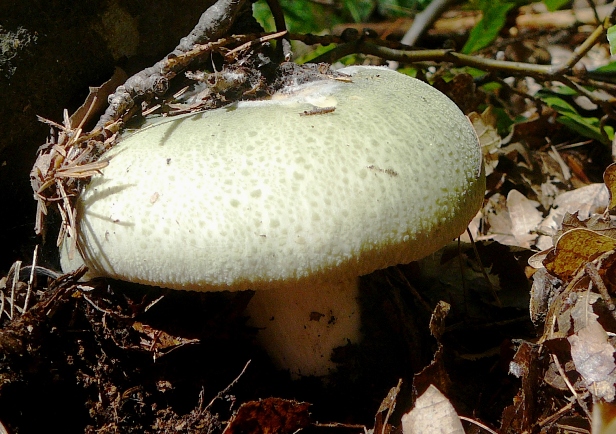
x=255 y=196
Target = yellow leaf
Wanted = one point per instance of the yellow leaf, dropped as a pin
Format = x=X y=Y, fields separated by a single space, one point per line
x=574 y=249
x=609 y=177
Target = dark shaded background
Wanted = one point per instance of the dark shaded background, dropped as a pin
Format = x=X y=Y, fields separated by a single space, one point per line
x=50 y=53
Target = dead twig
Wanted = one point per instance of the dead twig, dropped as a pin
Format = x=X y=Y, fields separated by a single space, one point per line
x=213 y=24
x=479 y=424
x=563 y=375
x=256 y=41
x=31 y=279
x=596 y=279
x=222 y=393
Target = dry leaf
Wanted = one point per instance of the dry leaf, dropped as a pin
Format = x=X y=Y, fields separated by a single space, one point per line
x=433 y=413
x=437 y=320
x=582 y=313
x=513 y=220
x=98 y=97
x=574 y=249
x=436 y=372
x=541 y=294
x=490 y=141
x=609 y=177
x=497 y=216
x=269 y=416
x=386 y=409
x=594 y=360
x=586 y=201
x=158 y=341
x=524 y=218
x=526 y=365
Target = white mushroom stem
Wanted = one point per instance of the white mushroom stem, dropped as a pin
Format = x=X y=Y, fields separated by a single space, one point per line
x=299 y=328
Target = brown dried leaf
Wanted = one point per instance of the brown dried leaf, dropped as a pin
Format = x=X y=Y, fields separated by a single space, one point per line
x=158 y=341
x=269 y=416
x=490 y=141
x=96 y=101
x=609 y=177
x=436 y=372
x=593 y=356
x=574 y=249
x=542 y=291
x=462 y=90
x=534 y=131
x=386 y=409
x=525 y=365
x=437 y=320
x=433 y=413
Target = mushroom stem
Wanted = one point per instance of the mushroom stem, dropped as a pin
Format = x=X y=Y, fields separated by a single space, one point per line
x=300 y=327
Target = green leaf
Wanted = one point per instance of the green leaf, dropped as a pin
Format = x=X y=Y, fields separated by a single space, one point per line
x=611 y=37
x=565 y=91
x=610 y=68
x=319 y=49
x=486 y=30
x=264 y=16
x=360 y=10
x=554 y=5
x=302 y=16
x=409 y=70
x=400 y=8
x=586 y=126
x=555 y=102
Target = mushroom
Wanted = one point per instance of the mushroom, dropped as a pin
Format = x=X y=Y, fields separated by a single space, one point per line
x=293 y=197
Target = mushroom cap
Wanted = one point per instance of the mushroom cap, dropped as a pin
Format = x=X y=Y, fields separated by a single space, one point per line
x=255 y=196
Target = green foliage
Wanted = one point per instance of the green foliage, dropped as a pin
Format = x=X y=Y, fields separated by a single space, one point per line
x=400 y=8
x=308 y=16
x=586 y=126
x=411 y=71
x=360 y=10
x=611 y=37
x=313 y=54
x=554 y=5
x=302 y=16
x=486 y=30
x=610 y=68
x=504 y=121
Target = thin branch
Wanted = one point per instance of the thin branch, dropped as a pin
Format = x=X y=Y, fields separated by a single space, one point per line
x=564 y=377
x=593 y=6
x=226 y=390
x=424 y=20
x=479 y=424
x=31 y=279
x=593 y=273
x=582 y=49
x=376 y=47
x=214 y=23
x=284 y=48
